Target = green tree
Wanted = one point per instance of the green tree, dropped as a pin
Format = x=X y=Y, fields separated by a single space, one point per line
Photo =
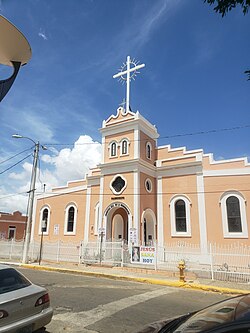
x=224 y=6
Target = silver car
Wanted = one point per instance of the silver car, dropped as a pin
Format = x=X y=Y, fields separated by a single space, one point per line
x=24 y=306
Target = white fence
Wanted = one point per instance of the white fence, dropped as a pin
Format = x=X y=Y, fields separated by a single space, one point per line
x=231 y=263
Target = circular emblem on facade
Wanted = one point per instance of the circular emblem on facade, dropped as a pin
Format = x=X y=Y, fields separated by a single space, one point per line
x=118 y=184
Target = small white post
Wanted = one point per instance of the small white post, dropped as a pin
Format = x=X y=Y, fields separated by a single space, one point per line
x=122 y=254
x=156 y=254
x=211 y=261
x=58 y=251
x=11 y=247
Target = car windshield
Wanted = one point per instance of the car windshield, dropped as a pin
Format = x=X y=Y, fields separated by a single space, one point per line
x=11 y=280
x=215 y=315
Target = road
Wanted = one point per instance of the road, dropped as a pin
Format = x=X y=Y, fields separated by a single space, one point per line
x=90 y=304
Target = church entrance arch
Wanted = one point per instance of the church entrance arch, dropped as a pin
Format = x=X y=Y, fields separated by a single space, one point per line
x=117 y=220
x=148 y=230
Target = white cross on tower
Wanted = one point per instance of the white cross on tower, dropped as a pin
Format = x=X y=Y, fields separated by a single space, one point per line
x=128 y=72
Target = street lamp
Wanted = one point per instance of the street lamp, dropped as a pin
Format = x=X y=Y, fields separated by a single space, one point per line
x=31 y=196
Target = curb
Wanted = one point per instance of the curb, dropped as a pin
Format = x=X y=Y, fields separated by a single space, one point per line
x=195 y=286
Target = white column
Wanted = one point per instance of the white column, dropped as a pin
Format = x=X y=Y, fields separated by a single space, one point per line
x=202 y=214
x=103 y=149
x=101 y=201
x=87 y=215
x=136 y=212
x=136 y=144
x=160 y=229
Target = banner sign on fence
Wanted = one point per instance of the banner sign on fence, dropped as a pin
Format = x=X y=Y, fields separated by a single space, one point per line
x=143 y=255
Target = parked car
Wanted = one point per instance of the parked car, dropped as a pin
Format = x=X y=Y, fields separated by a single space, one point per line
x=231 y=315
x=24 y=306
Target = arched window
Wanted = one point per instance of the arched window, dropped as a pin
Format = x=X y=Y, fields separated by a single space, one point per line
x=124 y=147
x=45 y=216
x=113 y=149
x=44 y=220
x=70 y=220
x=233 y=210
x=180 y=216
x=71 y=216
x=233 y=214
x=148 y=150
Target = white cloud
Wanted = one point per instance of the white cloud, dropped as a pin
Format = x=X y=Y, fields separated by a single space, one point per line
x=42 y=34
x=70 y=164
x=56 y=169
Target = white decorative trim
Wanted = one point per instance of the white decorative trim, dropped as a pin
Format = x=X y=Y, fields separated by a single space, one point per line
x=183 y=149
x=239 y=159
x=136 y=144
x=103 y=149
x=68 y=233
x=101 y=200
x=160 y=227
x=87 y=215
x=227 y=172
x=114 y=178
x=136 y=203
x=40 y=220
x=97 y=223
x=202 y=214
x=242 y=201
x=118 y=111
x=65 y=190
x=175 y=233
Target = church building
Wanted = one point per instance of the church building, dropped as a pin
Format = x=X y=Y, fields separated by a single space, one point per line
x=147 y=194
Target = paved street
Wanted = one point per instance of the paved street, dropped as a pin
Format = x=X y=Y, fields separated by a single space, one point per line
x=90 y=304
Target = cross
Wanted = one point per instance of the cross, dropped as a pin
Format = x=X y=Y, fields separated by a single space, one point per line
x=128 y=73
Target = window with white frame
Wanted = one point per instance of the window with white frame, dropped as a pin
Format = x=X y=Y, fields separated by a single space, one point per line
x=44 y=220
x=113 y=149
x=96 y=226
x=148 y=150
x=180 y=216
x=124 y=147
x=70 y=220
x=234 y=221
x=11 y=232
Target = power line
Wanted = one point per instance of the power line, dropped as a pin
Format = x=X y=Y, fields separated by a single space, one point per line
x=162 y=137
x=12 y=166
x=8 y=159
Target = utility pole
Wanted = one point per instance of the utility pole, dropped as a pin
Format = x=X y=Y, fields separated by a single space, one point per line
x=30 y=205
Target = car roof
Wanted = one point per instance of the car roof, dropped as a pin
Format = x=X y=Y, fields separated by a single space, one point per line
x=4 y=266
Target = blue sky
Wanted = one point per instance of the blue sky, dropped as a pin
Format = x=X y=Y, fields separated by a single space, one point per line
x=193 y=81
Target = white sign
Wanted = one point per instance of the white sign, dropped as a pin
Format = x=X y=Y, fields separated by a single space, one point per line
x=56 y=229
x=133 y=235
x=147 y=255
x=143 y=255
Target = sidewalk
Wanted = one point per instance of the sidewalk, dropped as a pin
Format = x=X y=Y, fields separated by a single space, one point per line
x=139 y=275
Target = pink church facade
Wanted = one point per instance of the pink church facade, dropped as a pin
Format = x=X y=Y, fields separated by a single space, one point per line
x=145 y=194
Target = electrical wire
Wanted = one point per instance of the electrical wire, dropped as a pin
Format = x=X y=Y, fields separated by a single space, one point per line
x=162 y=137
x=8 y=159
x=12 y=166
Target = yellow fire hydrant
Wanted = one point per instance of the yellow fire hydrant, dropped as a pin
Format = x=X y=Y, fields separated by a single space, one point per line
x=182 y=267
